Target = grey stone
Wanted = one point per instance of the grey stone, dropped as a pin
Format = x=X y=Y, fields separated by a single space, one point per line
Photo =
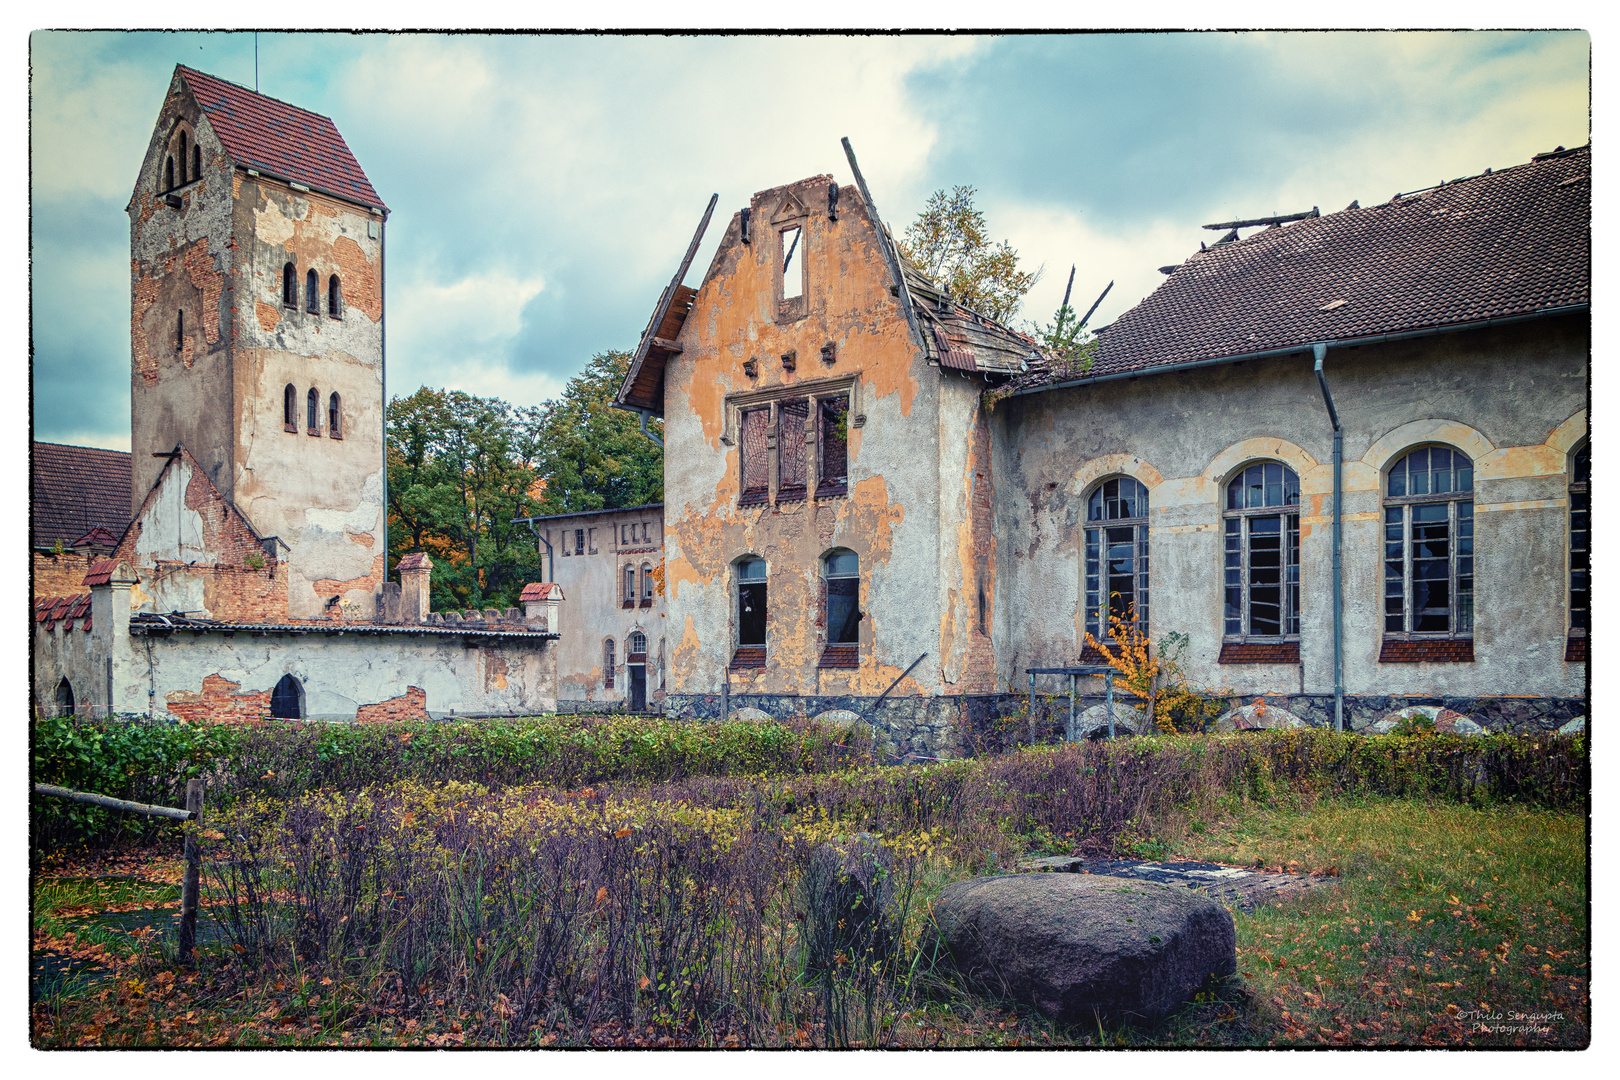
x=1446 y=721
x=1576 y=726
x=1081 y=947
x=1257 y=718
x=1127 y=720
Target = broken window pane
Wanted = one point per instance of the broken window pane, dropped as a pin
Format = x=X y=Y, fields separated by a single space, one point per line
x=755 y=460
x=792 y=268
x=1429 y=544
x=1580 y=540
x=751 y=603
x=833 y=436
x=1116 y=556
x=792 y=468
x=1260 y=559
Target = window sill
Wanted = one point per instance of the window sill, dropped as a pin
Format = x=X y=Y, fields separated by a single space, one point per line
x=839 y=656
x=646 y=601
x=1092 y=655
x=628 y=604
x=1575 y=649
x=832 y=491
x=291 y=429
x=1420 y=650
x=790 y=495
x=748 y=657
x=336 y=436
x=315 y=433
x=1259 y=652
x=753 y=498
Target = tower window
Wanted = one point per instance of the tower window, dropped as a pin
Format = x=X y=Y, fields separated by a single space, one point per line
x=312 y=302
x=313 y=423
x=289 y=286
x=196 y=162
x=334 y=297
x=334 y=416
x=179 y=332
x=168 y=173
x=183 y=177
x=289 y=409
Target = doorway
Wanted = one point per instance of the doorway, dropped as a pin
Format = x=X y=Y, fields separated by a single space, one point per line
x=638 y=687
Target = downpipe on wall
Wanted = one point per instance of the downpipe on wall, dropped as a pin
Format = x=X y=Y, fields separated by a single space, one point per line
x=1319 y=349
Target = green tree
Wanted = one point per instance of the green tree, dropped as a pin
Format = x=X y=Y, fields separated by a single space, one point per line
x=951 y=245
x=593 y=456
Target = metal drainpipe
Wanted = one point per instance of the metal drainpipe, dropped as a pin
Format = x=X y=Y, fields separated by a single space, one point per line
x=1320 y=351
x=644 y=431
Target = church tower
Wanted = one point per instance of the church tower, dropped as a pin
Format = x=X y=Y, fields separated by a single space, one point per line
x=256 y=324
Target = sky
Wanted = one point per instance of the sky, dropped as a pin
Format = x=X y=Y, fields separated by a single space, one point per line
x=542 y=189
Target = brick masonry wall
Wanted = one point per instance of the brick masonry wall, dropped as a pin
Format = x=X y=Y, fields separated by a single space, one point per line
x=411 y=705
x=219 y=702
x=60 y=575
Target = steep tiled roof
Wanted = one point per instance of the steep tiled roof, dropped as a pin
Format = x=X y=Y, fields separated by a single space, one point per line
x=1501 y=244
x=279 y=139
x=78 y=489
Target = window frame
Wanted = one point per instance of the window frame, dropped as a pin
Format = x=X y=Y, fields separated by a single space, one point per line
x=334 y=416
x=840 y=653
x=608 y=664
x=646 y=585
x=1580 y=539
x=313 y=413
x=740 y=583
x=289 y=409
x=813 y=392
x=334 y=297
x=1095 y=600
x=1290 y=603
x=1456 y=524
x=312 y=292
x=628 y=597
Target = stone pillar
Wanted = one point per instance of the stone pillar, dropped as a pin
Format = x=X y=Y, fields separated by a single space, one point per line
x=121 y=688
x=542 y=606
x=415 y=571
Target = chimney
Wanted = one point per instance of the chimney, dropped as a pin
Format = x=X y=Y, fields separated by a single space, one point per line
x=415 y=571
x=542 y=606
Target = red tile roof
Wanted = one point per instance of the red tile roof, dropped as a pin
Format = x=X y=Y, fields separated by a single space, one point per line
x=100 y=573
x=77 y=490
x=416 y=560
x=1501 y=244
x=540 y=590
x=279 y=139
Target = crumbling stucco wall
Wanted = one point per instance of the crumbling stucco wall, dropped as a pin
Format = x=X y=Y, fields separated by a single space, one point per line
x=1513 y=398
x=848 y=330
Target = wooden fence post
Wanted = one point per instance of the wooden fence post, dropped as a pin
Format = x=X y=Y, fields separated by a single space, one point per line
x=188 y=886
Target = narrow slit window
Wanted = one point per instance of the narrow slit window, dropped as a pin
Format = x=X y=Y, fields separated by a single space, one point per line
x=311 y=292
x=646 y=584
x=179 y=332
x=607 y=664
x=334 y=417
x=196 y=161
x=792 y=264
x=183 y=176
x=289 y=408
x=168 y=173
x=313 y=420
x=334 y=297
x=629 y=585
x=289 y=286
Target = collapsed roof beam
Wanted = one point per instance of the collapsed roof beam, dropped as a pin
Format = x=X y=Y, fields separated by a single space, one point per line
x=1279 y=220
x=885 y=244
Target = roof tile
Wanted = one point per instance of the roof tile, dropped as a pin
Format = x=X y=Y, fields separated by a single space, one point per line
x=76 y=491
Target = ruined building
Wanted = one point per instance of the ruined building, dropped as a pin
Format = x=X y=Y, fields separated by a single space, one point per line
x=250 y=579
x=868 y=481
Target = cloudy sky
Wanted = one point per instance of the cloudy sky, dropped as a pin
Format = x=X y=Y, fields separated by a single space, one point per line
x=542 y=189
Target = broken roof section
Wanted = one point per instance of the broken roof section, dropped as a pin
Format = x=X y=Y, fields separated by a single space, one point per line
x=280 y=140
x=1498 y=245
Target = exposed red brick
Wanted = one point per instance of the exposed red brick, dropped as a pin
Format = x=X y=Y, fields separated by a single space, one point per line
x=1575 y=650
x=219 y=702
x=839 y=656
x=1272 y=652
x=411 y=705
x=1438 y=650
x=57 y=575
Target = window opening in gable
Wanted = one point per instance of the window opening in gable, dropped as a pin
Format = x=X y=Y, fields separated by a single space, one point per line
x=168 y=173
x=1580 y=540
x=289 y=408
x=755 y=465
x=792 y=276
x=1116 y=557
x=311 y=292
x=833 y=441
x=334 y=297
x=792 y=463
x=289 y=286
x=607 y=664
x=313 y=420
x=334 y=416
x=1429 y=544
x=183 y=157
x=287 y=699
x=1262 y=553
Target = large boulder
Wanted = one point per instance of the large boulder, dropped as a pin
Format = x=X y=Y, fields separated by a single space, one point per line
x=1082 y=947
x=1257 y=717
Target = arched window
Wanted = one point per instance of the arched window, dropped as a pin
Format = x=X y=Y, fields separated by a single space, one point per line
x=289 y=286
x=637 y=645
x=1429 y=544
x=179 y=332
x=289 y=408
x=1580 y=539
x=64 y=698
x=1116 y=556
x=629 y=585
x=196 y=161
x=751 y=608
x=646 y=585
x=168 y=173
x=607 y=664
x=840 y=590
x=334 y=297
x=287 y=699
x=183 y=158
x=312 y=299
x=313 y=422
x=334 y=416
x=1262 y=553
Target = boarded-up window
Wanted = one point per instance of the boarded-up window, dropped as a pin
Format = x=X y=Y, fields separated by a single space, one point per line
x=790 y=456
x=833 y=437
x=755 y=462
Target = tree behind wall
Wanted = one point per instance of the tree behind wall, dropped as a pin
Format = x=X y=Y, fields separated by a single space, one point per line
x=592 y=455
x=950 y=244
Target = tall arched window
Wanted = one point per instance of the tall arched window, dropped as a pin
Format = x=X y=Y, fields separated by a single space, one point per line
x=1116 y=556
x=289 y=408
x=1429 y=545
x=751 y=609
x=313 y=421
x=646 y=585
x=168 y=173
x=607 y=663
x=1262 y=553
x=196 y=161
x=64 y=698
x=334 y=416
x=312 y=300
x=840 y=599
x=629 y=585
x=289 y=286
x=334 y=297
x=1580 y=541
x=179 y=332
x=183 y=158
x=287 y=699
